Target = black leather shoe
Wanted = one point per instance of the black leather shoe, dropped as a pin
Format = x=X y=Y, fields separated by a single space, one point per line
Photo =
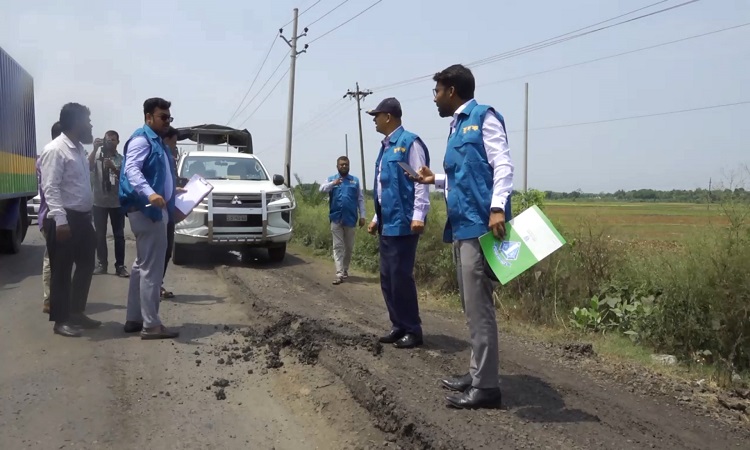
x=392 y=337
x=459 y=384
x=80 y=320
x=408 y=341
x=475 y=398
x=65 y=329
x=133 y=327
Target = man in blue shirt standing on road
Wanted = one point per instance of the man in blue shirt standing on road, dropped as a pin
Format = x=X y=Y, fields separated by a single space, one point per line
x=147 y=190
x=401 y=208
x=345 y=199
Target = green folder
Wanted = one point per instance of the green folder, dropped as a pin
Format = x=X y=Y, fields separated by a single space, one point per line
x=529 y=238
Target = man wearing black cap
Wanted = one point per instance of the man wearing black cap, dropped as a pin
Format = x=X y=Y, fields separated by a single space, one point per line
x=401 y=208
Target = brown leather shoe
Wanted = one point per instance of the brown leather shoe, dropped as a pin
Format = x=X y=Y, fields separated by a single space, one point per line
x=160 y=332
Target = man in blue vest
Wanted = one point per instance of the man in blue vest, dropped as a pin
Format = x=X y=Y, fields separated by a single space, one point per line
x=401 y=207
x=147 y=188
x=345 y=199
x=478 y=181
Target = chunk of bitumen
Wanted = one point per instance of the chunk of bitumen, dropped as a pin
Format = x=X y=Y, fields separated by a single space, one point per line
x=220 y=361
x=221 y=395
x=221 y=382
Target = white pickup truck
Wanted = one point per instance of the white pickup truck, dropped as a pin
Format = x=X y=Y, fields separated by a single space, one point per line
x=247 y=208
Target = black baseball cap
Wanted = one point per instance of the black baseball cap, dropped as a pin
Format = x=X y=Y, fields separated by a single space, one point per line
x=389 y=106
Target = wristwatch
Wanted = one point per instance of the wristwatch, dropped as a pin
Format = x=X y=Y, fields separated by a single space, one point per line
x=496 y=210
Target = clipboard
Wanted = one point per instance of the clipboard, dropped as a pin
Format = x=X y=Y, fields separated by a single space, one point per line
x=197 y=188
x=409 y=169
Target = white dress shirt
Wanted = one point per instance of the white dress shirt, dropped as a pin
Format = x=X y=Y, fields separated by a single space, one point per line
x=138 y=151
x=421 y=192
x=66 y=180
x=498 y=155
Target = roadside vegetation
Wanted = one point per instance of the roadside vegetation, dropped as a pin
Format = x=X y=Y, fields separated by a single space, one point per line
x=646 y=278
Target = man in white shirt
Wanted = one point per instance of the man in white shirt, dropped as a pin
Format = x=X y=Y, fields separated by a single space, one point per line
x=71 y=238
x=478 y=183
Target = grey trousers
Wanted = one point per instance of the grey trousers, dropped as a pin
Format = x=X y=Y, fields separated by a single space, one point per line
x=148 y=269
x=476 y=296
x=343 y=247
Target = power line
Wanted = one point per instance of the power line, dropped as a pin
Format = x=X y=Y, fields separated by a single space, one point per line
x=666 y=113
x=264 y=85
x=522 y=51
x=617 y=119
x=303 y=11
x=341 y=25
x=234 y=114
x=265 y=98
x=541 y=44
x=324 y=15
x=568 y=66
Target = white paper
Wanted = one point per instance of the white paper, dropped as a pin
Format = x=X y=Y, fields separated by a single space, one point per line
x=535 y=232
x=409 y=169
x=197 y=189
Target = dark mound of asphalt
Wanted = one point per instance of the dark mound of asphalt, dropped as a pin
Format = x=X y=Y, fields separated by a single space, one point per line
x=579 y=350
x=304 y=337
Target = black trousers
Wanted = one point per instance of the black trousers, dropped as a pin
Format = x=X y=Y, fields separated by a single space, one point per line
x=397 y=257
x=170 y=244
x=117 y=219
x=69 y=291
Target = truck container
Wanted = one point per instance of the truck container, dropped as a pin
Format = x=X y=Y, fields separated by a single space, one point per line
x=18 y=182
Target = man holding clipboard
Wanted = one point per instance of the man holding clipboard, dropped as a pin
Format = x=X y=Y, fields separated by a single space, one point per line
x=478 y=181
x=147 y=195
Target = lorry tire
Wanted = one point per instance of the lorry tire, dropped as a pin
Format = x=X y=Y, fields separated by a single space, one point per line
x=277 y=254
x=10 y=240
x=180 y=255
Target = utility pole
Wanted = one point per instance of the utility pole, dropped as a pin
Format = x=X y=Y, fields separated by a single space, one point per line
x=526 y=144
x=359 y=95
x=346 y=143
x=290 y=113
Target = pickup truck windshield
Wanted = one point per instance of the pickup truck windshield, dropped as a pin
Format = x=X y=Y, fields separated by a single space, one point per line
x=223 y=168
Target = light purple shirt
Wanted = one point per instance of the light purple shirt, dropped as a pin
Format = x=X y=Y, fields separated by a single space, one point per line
x=137 y=153
x=43 y=202
x=421 y=192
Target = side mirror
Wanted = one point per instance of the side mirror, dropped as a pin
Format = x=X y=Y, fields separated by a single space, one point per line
x=278 y=180
x=182 y=182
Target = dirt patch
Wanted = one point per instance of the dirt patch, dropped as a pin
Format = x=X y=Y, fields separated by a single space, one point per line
x=575 y=350
x=546 y=404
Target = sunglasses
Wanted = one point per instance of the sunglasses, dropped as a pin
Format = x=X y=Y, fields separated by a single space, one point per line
x=166 y=117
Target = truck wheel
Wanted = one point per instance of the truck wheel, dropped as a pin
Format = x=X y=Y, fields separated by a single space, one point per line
x=10 y=240
x=180 y=255
x=276 y=254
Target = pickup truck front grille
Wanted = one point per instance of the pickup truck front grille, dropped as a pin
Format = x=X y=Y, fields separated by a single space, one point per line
x=231 y=201
x=251 y=220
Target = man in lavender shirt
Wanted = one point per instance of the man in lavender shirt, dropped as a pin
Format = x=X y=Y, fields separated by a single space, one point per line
x=56 y=130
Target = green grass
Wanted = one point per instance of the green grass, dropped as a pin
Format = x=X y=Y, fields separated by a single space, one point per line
x=638 y=221
x=689 y=262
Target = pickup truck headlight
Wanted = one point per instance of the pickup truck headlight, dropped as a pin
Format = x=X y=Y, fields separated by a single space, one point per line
x=276 y=196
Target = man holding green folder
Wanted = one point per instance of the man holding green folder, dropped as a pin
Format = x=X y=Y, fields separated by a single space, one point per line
x=478 y=181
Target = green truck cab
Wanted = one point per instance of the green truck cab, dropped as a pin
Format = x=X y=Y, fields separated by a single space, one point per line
x=18 y=155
